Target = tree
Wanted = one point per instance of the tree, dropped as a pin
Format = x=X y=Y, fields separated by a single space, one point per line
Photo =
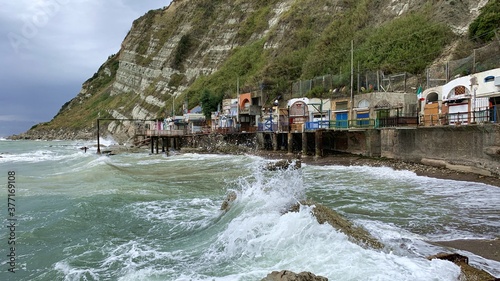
x=209 y=103
x=482 y=29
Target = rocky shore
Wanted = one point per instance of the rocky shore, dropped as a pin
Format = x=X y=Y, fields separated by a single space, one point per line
x=489 y=249
x=357 y=160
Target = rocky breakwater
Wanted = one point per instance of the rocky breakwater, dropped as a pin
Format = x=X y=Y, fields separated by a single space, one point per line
x=55 y=134
x=356 y=234
x=286 y=275
x=469 y=273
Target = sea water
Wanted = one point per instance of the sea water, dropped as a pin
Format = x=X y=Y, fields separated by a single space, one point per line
x=136 y=216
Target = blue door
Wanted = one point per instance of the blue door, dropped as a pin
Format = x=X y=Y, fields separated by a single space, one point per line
x=341 y=120
x=363 y=123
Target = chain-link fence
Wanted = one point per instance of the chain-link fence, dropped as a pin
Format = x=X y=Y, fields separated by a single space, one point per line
x=320 y=84
x=481 y=59
x=368 y=81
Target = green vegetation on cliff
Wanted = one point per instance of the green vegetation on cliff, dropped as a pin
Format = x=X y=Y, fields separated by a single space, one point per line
x=203 y=49
x=407 y=44
x=485 y=27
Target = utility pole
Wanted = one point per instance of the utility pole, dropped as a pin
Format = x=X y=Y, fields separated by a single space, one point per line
x=238 y=100
x=98 y=136
x=352 y=77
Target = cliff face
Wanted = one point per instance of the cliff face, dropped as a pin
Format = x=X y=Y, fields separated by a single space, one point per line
x=173 y=53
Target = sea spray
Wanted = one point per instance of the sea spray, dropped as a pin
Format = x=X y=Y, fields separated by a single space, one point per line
x=152 y=217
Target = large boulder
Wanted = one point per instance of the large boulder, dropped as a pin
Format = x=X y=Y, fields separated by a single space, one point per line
x=226 y=204
x=286 y=275
x=469 y=273
x=284 y=164
x=356 y=234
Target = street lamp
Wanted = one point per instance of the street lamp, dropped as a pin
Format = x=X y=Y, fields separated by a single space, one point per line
x=275 y=103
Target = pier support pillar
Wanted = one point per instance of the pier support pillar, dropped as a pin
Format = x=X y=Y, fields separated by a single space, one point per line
x=152 y=142
x=162 y=145
x=318 y=142
x=304 y=144
x=167 y=147
x=290 y=143
x=274 y=138
x=260 y=140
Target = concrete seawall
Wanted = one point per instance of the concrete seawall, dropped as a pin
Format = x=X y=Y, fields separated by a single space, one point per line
x=471 y=148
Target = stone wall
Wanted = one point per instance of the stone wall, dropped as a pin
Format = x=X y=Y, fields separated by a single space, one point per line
x=362 y=142
x=471 y=148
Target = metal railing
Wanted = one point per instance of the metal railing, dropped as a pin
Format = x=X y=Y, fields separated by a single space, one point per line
x=363 y=123
x=267 y=127
x=458 y=118
x=397 y=121
x=227 y=130
x=165 y=133
x=325 y=124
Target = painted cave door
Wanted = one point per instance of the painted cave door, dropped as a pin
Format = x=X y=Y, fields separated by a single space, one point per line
x=341 y=120
x=364 y=116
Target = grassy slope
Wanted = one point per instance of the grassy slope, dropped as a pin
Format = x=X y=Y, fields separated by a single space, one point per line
x=316 y=43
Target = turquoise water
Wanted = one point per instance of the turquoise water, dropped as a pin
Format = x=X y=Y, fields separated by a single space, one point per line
x=81 y=216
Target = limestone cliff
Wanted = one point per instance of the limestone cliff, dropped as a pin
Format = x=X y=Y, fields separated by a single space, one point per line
x=171 y=54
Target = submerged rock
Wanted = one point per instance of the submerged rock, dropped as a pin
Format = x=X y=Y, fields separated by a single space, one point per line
x=226 y=204
x=469 y=273
x=355 y=233
x=283 y=165
x=286 y=275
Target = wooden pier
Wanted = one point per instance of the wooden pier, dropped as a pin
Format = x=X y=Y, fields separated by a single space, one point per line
x=169 y=138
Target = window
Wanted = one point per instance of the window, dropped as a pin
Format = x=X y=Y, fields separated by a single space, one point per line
x=363 y=119
x=432 y=97
x=364 y=104
x=459 y=90
x=342 y=105
x=489 y=79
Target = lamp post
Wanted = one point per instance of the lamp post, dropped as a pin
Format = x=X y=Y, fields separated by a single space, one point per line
x=271 y=119
x=275 y=104
x=268 y=125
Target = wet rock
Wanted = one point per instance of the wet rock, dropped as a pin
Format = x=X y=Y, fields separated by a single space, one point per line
x=226 y=204
x=493 y=151
x=469 y=273
x=286 y=275
x=355 y=233
x=283 y=165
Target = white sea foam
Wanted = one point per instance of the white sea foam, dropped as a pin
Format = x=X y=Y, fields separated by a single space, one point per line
x=180 y=216
x=108 y=141
x=260 y=237
x=161 y=220
x=295 y=241
x=72 y=273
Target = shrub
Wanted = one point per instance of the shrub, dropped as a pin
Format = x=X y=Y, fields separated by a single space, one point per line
x=482 y=29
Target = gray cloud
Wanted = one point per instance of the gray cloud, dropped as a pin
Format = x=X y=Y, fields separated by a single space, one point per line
x=50 y=47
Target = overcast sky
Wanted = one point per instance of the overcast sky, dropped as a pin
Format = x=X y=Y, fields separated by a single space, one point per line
x=50 y=47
